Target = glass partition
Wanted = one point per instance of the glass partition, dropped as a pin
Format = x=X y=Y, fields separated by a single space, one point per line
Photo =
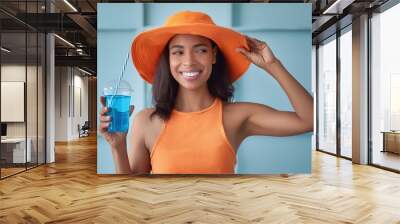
x=22 y=88
x=13 y=103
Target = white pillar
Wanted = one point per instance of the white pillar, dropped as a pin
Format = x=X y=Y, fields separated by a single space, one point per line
x=360 y=90
x=50 y=93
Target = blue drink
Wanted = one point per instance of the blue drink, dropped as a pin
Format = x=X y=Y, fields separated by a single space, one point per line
x=119 y=112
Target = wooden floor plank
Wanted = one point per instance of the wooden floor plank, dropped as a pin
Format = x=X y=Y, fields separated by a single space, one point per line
x=70 y=191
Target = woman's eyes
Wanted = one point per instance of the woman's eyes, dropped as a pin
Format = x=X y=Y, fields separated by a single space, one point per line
x=204 y=50
x=177 y=52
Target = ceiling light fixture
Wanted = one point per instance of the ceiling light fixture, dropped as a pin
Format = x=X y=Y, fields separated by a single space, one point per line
x=5 y=50
x=65 y=41
x=84 y=71
x=70 y=5
x=337 y=7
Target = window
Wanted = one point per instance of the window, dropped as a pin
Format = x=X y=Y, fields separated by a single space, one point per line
x=346 y=92
x=327 y=96
x=385 y=89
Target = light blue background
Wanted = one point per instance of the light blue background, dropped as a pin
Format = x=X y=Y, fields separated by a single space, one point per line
x=285 y=27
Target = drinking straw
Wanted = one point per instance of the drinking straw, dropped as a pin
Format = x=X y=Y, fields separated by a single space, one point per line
x=120 y=77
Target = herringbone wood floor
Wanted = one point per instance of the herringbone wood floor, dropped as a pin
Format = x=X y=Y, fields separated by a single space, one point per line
x=70 y=191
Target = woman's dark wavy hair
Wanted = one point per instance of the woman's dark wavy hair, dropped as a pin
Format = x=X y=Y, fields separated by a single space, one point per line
x=165 y=87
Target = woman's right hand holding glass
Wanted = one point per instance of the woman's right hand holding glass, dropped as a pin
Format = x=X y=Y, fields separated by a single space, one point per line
x=117 y=140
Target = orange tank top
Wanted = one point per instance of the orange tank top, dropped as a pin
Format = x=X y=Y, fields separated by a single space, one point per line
x=194 y=143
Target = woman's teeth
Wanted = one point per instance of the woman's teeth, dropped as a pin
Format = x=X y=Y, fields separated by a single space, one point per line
x=190 y=74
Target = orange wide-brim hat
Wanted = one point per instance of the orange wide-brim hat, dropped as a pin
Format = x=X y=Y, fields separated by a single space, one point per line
x=148 y=46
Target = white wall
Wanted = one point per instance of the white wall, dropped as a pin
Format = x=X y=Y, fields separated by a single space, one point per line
x=80 y=84
x=61 y=103
x=70 y=83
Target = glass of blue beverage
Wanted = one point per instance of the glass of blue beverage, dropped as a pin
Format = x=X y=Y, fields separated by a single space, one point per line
x=118 y=99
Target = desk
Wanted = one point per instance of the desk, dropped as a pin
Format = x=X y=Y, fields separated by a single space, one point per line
x=15 y=148
x=391 y=141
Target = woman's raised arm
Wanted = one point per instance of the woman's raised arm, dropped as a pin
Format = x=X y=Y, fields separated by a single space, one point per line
x=264 y=120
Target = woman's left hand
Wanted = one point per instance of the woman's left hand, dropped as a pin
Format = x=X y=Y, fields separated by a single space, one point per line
x=259 y=54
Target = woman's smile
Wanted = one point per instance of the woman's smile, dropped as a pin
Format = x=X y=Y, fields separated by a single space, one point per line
x=190 y=75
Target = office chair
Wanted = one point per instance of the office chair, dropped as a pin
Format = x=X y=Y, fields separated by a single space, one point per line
x=84 y=130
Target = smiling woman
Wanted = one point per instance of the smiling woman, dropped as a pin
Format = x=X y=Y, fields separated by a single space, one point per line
x=189 y=61
x=194 y=127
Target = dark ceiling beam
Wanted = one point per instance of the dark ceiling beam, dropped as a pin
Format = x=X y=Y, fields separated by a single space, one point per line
x=86 y=51
x=44 y=22
x=16 y=18
x=60 y=22
x=89 y=70
x=10 y=25
x=91 y=5
x=63 y=7
x=80 y=20
x=83 y=61
x=72 y=24
x=86 y=26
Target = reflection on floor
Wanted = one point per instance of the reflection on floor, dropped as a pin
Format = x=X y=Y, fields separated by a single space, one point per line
x=10 y=169
x=387 y=159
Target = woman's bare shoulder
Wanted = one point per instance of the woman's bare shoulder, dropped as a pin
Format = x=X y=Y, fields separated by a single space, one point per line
x=151 y=126
x=144 y=117
x=235 y=110
x=146 y=112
